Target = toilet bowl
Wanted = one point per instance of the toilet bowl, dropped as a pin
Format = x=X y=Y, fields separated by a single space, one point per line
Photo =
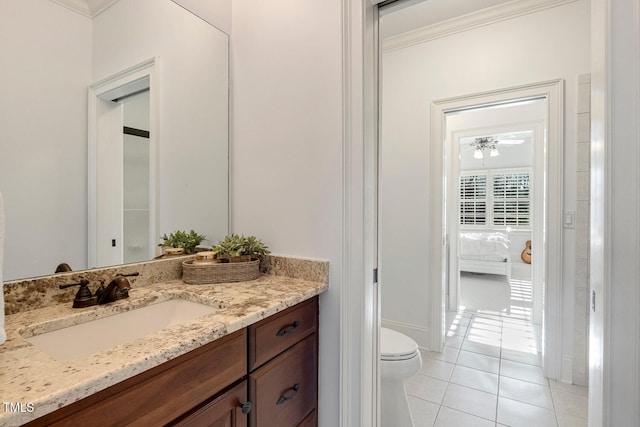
x=399 y=361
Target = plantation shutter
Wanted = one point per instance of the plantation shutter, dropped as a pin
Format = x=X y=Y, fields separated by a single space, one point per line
x=473 y=200
x=511 y=199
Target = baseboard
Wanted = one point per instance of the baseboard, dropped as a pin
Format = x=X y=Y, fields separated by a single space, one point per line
x=419 y=334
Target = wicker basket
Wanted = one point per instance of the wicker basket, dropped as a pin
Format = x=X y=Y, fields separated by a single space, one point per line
x=219 y=272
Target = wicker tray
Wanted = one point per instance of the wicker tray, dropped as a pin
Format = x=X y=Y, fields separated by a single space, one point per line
x=219 y=272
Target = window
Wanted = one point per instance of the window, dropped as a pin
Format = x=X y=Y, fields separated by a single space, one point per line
x=473 y=200
x=506 y=192
x=511 y=203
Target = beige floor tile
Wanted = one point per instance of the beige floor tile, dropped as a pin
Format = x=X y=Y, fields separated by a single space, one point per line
x=455 y=342
x=424 y=413
x=528 y=357
x=479 y=361
x=448 y=417
x=437 y=369
x=482 y=348
x=571 y=404
x=471 y=401
x=476 y=379
x=571 y=388
x=522 y=371
x=524 y=391
x=519 y=414
x=570 y=421
x=426 y=388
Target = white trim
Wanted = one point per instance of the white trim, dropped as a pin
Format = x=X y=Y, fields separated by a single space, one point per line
x=554 y=93
x=87 y=8
x=358 y=295
x=600 y=213
x=635 y=326
x=470 y=21
x=614 y=325
x=105 y=89
x=634 y=334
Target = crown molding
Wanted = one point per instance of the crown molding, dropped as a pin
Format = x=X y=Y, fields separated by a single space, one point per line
x=470 y=21
x=88 y=8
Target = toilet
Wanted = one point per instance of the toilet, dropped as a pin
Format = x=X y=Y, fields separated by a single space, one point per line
x=399 y=361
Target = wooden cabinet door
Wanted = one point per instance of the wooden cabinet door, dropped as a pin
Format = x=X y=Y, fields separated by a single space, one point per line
x=285 y=390
x=224 y=411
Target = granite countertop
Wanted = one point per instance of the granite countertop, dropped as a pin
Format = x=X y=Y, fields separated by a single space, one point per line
x=39 y=384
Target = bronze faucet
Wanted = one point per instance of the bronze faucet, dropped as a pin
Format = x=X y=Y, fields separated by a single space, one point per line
x=117 y=289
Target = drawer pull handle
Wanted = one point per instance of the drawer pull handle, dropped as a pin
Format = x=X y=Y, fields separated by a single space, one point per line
x=246 y=407
x=288 y=395
x=287 y=330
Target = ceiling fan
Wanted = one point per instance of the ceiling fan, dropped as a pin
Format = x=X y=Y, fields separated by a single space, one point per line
x=480 y=144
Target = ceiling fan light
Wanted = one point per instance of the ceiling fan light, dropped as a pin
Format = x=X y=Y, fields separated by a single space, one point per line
x=477 y=154
x=494 y=151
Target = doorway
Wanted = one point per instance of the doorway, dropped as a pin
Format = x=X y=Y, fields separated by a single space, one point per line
x=491 y=209
x=427 y=72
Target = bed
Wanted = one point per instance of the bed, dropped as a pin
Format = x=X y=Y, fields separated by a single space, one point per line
x=484 y=252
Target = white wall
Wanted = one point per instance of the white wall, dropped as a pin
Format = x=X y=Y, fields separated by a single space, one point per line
x=46 y=67
x=546 y=45
x=286 y=158
x=192 y=128
x=215 y=12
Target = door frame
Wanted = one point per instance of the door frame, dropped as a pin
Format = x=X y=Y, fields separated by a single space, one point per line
x=360 y=68
x=551 y=235
x=131 y=80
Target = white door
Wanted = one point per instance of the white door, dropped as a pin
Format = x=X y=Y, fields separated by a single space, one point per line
x=109 y=183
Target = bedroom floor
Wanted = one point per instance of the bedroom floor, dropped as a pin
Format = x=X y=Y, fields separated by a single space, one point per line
x=489 y=373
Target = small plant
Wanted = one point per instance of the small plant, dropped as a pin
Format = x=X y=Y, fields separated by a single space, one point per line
x=239 y=246
x=180 y=239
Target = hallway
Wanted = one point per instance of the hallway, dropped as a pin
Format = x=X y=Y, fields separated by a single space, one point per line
x=489 y=373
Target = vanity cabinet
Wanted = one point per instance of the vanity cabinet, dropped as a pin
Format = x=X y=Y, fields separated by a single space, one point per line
x=272 y=364
x=283 y=368
x=160 y=395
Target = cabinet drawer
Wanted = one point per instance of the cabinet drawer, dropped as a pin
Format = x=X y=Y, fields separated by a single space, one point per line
x=310 y=420
x=285 y=390
x=157 y=396
x=275 y=334
x=223 y=411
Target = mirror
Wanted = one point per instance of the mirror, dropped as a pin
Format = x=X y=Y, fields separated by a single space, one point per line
x=53 y=55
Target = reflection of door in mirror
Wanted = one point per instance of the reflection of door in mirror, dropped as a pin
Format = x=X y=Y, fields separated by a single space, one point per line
x=122 y=152
x=123 y=180
x=136 y=246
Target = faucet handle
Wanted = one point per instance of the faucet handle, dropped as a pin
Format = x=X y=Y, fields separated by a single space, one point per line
x=128 y=274
x=81 y=283
x=83 y=298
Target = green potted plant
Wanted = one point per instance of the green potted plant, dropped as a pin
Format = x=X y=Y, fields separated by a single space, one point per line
x=181 y=239
x=237 y=248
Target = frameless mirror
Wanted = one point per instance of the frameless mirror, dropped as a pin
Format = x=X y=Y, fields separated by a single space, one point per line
x=54 y=59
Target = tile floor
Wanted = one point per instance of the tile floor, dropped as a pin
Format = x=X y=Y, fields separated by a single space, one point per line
x=489 y=373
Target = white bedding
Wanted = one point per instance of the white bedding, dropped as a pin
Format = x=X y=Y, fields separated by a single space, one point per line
x=488 y=246
x=484 y=252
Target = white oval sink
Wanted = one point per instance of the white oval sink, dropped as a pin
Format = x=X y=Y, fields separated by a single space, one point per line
x=91 y=337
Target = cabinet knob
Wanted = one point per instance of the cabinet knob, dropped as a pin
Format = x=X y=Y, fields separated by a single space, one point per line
x=246 y=407
x=288 y=329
